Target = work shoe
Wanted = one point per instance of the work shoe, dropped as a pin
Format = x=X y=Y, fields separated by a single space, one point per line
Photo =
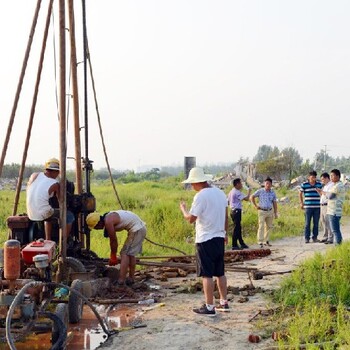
x=223 y=308
x=203 y=310
x=244 y=246
x=129 y=281
x=236 y=248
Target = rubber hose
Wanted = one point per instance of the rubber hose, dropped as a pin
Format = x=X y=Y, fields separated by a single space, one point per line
x=19 y=296
x=59 y=344
x=106 y=330
x=15 y=301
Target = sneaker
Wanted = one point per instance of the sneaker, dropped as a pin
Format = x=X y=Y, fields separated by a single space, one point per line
x=236 y=248
x=244 y=246
x=328 y=242
x=223 y=308
x=307 y=241
x=324 y=240
x=315 y=240
x=261 y=245
x=203 y=310
x=268 y=244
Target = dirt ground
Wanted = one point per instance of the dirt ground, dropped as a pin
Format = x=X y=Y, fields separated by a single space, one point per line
x=175 y=326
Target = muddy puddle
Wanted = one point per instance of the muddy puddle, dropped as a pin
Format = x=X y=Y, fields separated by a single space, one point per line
x=88 y=333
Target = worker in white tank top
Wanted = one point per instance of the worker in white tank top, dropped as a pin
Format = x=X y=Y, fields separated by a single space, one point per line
x=40 y=188
x=115 y=221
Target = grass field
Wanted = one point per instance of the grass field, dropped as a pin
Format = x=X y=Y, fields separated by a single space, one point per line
x=157 y=203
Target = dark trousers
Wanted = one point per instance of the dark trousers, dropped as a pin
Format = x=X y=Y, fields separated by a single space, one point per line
x=236 y=216
x=314 y=215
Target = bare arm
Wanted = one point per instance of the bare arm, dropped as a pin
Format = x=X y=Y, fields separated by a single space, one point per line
x=187 y=216
x=247 y=197
x=226 y=225
x=110 y=221
x=252 y=198
x=55 y=189
x=275 y=208
x=301 y=199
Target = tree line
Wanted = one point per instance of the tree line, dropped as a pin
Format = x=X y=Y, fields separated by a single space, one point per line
x=286 y=164
x=280 y=164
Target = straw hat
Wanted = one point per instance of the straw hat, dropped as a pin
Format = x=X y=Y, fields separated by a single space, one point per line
x=197 y=175
x=92 y=220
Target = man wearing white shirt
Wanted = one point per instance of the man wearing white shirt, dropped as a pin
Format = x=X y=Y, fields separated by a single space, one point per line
x=327 y=233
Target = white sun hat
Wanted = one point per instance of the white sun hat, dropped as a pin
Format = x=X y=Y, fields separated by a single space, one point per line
x=197 y=175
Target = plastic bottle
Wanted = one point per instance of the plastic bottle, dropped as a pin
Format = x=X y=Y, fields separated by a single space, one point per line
x=146 y=302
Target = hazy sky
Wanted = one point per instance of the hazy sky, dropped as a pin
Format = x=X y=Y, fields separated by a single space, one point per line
x=210 y=79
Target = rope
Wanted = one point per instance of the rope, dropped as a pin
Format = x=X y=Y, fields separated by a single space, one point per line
x=106 y=157
x=100 y=129
x=165 y=246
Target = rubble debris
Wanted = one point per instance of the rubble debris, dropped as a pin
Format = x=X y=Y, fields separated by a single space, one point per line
x=242 y=300
x=254 y=338
x=181 y=266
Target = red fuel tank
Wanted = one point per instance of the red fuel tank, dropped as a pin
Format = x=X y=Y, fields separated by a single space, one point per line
x=38 y=247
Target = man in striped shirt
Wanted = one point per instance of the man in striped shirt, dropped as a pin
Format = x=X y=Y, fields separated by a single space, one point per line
x=310 y=202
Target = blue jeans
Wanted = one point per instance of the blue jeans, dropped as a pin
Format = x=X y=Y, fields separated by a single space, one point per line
x=314 y=214
x=334 y=222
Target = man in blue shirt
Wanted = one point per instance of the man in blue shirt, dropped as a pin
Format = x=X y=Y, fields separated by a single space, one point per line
x=267 y=211
x=310 y=203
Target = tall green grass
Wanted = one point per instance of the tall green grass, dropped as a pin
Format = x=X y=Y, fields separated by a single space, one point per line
x=315 y=303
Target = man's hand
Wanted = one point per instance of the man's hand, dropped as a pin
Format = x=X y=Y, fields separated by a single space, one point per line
x=183 y=206
x=113 y=260
x=319 y=191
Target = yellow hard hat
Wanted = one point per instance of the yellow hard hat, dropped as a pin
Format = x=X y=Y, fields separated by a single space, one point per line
x=52 y=164
x=92 y=220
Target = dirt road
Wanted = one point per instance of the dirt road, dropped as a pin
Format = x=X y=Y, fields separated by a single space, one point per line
x=175 y=326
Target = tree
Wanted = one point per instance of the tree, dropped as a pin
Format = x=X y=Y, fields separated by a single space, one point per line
x=271 y=167
x=266 y=152
x=291 y=161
